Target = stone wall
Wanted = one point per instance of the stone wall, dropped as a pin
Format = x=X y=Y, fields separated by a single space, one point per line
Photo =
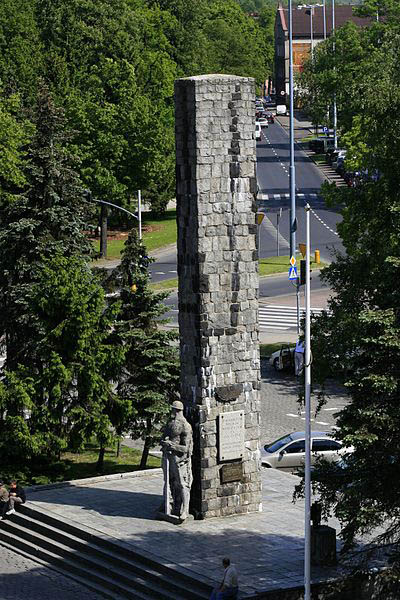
x=218 y=286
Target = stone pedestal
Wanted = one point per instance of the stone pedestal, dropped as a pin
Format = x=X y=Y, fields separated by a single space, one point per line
x=218 y=289
x=323 y=545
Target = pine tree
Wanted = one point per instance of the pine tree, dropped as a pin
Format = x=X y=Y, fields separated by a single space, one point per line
x=53 y=321
x=148 y=374
x=47 y=219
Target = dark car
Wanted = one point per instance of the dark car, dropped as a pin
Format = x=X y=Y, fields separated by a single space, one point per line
x=270 y=117
x=321 y=144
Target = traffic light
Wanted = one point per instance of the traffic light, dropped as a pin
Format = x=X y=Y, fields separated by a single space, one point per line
x=302 y=280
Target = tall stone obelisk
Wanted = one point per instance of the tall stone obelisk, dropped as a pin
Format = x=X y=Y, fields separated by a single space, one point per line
x=218 y=289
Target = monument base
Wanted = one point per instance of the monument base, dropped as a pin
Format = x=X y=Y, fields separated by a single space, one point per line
x=174 y=519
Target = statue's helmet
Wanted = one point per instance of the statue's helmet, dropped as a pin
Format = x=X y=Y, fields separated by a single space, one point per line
x=177 y=404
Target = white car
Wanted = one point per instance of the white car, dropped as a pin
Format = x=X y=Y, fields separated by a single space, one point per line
x=288 y=452
x=263 y=121
x=258 y=131
x=282 y=359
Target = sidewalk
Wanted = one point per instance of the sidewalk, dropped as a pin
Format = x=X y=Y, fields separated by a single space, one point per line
x=267 y=547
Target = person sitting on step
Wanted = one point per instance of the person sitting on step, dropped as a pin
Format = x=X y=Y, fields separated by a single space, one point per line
x=4 y=496
x=16 y=496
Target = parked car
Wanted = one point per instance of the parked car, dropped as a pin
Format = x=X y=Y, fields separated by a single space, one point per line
x=336 y=155
x=320 y=145
x=340 y=168
x=283 y=359
x=258 y=131
x=263 y=121
x=281 y=110
x=288 y=452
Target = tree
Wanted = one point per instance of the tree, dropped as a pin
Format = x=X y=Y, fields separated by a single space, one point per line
x=47 y=294
x=58 y=399
x=361 y=331
x=14 y=137
x=148 y=375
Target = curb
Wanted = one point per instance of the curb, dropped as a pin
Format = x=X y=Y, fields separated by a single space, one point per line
x=92 y=480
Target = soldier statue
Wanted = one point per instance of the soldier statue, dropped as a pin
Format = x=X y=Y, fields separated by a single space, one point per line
x=177 y=448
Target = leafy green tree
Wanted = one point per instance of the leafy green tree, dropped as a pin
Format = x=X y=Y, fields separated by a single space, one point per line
x=148 y=375
x=360 y=336
x=14 y=137
x=21 y=57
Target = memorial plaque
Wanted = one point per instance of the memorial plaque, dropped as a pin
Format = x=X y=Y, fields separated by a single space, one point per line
x=231 y=472
x=231 y=435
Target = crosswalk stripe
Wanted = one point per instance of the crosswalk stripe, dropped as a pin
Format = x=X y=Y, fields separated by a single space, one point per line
x=277 y=316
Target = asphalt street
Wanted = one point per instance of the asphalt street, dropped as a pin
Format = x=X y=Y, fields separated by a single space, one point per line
x=273 y=152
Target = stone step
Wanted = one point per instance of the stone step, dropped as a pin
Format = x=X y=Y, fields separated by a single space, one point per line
x=108 y=587
x=130 y=553
x=61 y=541
x=30 y=553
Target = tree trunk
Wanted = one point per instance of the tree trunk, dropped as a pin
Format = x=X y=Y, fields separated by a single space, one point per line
x=118 y=448
x=100 y=460
x=145 y=453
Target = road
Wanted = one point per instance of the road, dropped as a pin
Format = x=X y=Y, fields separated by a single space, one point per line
x=273 y=181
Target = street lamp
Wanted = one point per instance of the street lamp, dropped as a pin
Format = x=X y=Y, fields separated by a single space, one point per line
x=311 y=8
x=292 y=173
x=334 y=94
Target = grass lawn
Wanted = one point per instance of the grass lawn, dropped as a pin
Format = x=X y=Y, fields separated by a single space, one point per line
x=165 y=284
x=156 y=234
x=83 y=464
x=319 y=159
x=280 y=264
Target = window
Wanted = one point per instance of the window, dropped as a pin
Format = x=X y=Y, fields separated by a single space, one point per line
x=325 y=446
x=296 y=447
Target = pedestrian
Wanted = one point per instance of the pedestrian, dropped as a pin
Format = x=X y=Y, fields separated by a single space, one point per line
x=16 y=496
x=228 y=588
x=299 y=358
x=4 y=496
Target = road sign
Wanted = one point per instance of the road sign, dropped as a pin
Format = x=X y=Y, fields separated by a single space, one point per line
x=303 y=249
x=292 y=273
x=260 y=217
x=325 y=130
x=292 y=260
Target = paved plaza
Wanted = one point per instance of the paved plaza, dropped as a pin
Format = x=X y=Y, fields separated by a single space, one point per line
x=22 y=578
x=267 y=547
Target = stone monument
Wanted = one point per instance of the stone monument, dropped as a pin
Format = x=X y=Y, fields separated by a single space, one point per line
x=177 y=447
x=218 y=289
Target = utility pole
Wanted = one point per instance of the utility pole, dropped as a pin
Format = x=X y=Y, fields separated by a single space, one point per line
x=307 y=397
x=103 y=231
x=334 y=93
x=140 y=213
x=292 y=173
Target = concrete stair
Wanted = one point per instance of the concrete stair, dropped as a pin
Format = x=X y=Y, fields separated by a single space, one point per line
x=98 y=563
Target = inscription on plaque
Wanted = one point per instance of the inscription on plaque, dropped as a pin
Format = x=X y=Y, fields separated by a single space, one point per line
x=231 y=435
x=232 y=472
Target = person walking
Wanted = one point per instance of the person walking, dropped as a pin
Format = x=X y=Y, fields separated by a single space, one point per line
x=4 y=496
x=16 y=496
x=228 y=588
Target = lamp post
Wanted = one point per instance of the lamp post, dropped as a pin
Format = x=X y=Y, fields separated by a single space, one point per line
x=292 y=172
x=311 y=8
x=334 y=94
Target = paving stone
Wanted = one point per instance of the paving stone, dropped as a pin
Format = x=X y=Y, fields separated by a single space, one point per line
x=21 y=578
